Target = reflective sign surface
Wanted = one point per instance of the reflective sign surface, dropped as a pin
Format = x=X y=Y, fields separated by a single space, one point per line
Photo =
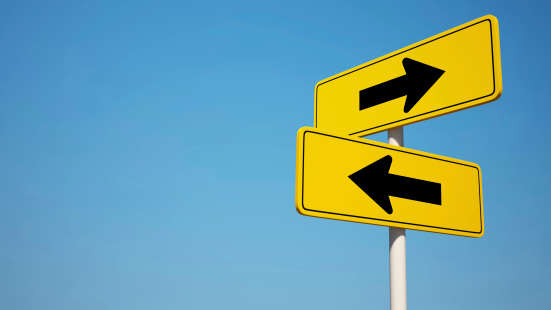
x=452 y=71
x=352 y=179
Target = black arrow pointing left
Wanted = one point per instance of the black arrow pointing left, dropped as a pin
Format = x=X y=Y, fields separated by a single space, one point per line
x=378 y=184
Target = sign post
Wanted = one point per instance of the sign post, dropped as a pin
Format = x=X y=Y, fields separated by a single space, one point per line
x=397 y=246
x=342 y=177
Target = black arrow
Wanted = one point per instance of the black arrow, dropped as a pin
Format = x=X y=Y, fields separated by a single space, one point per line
x=418 y=79
x=378 y=184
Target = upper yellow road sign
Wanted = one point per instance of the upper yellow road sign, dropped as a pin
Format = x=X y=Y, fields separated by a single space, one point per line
x=452 y=71
x=353 y=179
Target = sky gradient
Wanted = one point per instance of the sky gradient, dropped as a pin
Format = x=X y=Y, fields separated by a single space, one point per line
x=148 y=158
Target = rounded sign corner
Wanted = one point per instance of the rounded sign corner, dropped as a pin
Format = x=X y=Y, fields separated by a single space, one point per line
x=481 y=232
x=491 y=17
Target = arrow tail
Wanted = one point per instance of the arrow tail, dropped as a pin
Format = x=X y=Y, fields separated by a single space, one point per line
x=414 y=189
x=383 y=92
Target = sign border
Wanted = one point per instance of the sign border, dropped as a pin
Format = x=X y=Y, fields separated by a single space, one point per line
x=496 y=93
x=354 y=218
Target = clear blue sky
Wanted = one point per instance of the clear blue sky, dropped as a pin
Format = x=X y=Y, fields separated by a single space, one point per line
x=148 y=152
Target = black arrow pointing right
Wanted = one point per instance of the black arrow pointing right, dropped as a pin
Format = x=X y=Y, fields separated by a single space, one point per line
x=418 y=79
x=378 y=184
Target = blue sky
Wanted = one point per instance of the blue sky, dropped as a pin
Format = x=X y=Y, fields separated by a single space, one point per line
x=148 y=156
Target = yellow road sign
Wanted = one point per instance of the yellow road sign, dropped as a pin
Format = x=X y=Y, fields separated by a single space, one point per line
x=452 y=71
x=352 y=179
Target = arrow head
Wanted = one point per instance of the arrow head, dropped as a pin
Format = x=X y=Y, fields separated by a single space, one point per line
x=373 y=180
x=420 y=78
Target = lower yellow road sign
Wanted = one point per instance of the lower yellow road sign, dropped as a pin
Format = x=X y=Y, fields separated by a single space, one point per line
x=352 y=179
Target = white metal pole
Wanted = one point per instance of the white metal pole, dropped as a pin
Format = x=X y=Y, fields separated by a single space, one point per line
x=397 y=246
